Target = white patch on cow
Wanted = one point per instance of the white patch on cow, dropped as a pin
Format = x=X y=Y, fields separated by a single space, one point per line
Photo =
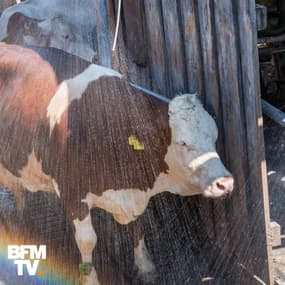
x=73 y=89
x=126 y=205
x=56 y=188
x=2 y=283
x=32 y=178
x=85 y=237
x=202 y=159
x=144 y=263
x=86 y=240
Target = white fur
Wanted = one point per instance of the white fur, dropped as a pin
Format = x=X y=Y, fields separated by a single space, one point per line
x=86 y=240
x=73 y=89
x=32 y=178
x=144 y=263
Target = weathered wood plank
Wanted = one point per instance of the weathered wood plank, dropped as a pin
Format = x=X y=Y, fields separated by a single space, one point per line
x=211 y=97
x=156 y=46
x=103 y=47
x=250 y=89
x=134 y=29
x=135 y=37
x=237 y=241
x=174 y=48
x=119 y=61
x=192 y=46
x=229 y=93
x=211 y=90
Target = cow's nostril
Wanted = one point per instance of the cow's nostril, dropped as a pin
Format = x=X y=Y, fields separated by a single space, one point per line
x=225 y=184
x=220 y=186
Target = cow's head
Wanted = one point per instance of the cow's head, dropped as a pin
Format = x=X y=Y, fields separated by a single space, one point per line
x=192 y=157
x=65 y=25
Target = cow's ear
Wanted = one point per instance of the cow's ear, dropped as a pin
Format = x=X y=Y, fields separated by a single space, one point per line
x=19 y=26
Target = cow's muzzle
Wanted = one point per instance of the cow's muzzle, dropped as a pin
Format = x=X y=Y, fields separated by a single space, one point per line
x=220 y=187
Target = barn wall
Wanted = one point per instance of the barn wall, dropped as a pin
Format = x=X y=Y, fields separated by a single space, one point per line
x=207 y=47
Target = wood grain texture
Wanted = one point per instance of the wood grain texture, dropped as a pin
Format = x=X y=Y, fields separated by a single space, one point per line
x=250 y=88
x=134 y=31
x=174 y=48
x=192 y=45
x=101 y=34
x=233 y=126
x=156 y=46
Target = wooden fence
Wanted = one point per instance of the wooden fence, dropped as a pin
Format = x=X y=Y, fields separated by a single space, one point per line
x=208 y=47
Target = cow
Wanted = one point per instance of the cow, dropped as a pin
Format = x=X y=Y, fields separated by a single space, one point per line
x=65 y=24
x=81 y=131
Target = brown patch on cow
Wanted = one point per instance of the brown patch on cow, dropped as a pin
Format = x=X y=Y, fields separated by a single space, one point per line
x=27 y=83
x=32 y=177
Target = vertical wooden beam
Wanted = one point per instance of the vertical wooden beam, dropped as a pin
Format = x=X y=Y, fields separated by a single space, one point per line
x=102 y=33
x=191 y=46
x=236 y=244
x=135 y=38
x=211 y=97
x=136 y=42
x=174 y=48
x=256 y=176
x=211 y=90
x=156 y=46
x=119 y=61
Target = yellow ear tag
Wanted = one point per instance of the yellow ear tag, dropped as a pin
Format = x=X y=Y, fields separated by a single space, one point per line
x=135 y=143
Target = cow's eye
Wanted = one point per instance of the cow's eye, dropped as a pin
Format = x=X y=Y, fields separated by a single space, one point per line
x=184 y=144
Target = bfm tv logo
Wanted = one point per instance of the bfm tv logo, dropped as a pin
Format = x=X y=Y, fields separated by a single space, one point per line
x=28 y=256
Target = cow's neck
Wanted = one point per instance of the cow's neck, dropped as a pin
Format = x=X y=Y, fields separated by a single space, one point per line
x=126 y=205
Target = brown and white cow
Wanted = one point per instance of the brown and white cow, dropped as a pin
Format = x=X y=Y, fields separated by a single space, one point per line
x=83 y=132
